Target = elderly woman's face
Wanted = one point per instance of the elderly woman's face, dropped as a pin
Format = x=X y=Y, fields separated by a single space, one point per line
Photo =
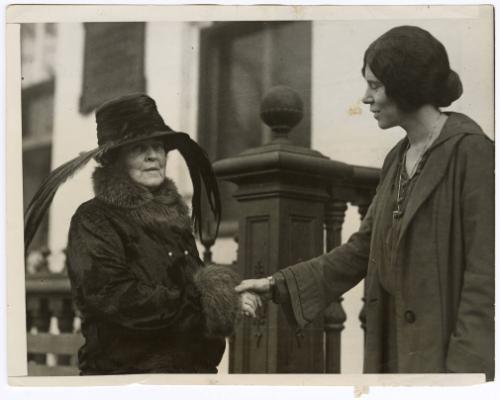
x=145 y=162
x=384 y=109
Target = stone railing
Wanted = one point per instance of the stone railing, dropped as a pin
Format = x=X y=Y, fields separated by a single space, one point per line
x=52 y=323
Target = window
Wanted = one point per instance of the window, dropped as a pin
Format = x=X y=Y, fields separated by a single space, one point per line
x=113 y=62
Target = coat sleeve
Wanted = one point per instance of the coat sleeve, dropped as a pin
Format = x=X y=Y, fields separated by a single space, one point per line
x=106 y=288
x=312 y=285
x=307 y=288
x=471 y=346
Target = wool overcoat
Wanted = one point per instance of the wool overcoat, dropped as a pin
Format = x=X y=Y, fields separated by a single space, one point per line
x=444 y=261
x=133 y=262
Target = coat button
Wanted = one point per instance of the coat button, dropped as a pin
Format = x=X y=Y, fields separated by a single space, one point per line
x=410 y=316
x=186 y=252
x=170 y=254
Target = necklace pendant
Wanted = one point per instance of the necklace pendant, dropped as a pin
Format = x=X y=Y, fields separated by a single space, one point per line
x=397 y=214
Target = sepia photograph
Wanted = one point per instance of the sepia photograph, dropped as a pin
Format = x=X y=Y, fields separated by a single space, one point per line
x=271 y=192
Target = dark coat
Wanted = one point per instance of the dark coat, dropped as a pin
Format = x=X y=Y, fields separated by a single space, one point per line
x=133 y=264
x=444 y=300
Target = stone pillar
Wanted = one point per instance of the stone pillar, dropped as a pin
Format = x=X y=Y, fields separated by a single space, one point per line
x=282 y=190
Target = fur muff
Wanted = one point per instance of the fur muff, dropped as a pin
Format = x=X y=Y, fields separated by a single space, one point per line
x=219 y=300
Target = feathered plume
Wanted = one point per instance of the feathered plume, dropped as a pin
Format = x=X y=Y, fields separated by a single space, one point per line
x=43 y=197
x=200 y=170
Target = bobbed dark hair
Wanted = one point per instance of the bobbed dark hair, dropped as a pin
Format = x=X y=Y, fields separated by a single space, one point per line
x=414 y=68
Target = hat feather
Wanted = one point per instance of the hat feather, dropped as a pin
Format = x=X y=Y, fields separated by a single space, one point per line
x=43 y=197
x=200 y=169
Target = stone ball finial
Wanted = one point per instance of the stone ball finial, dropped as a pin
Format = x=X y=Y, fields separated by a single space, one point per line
x=281 y=109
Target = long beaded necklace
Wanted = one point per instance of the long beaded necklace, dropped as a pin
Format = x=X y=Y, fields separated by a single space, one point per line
x=398 y=213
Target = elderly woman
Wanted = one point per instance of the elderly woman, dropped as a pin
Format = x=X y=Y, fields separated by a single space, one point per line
x=147 y=302
x=426 y=245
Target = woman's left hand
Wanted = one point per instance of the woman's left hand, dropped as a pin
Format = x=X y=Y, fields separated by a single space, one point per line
x=249 y=303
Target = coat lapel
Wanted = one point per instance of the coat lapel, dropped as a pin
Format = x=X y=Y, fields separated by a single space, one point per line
x=456 y=127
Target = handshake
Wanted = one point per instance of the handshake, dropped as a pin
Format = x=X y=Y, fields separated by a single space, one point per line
x=252 y=294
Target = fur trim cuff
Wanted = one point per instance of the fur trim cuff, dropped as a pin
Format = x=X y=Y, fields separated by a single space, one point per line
x=219 y=300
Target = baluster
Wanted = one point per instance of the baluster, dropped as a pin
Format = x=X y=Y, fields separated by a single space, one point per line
x=334 y=219
x=334 y=316
x=62 y=309
x=334 y=319
x=40 y=321
x=363 y=205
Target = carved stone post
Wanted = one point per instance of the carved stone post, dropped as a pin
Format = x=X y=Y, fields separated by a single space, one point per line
x=281 y=190
x=334 y=315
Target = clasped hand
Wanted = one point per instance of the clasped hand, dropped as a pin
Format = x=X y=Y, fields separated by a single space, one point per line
x=252 y=293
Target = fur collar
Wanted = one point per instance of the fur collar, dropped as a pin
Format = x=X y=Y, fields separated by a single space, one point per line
x=151 y=210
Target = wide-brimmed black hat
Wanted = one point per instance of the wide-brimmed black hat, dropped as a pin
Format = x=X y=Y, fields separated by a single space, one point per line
x=122 y=121
x=129 y=119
